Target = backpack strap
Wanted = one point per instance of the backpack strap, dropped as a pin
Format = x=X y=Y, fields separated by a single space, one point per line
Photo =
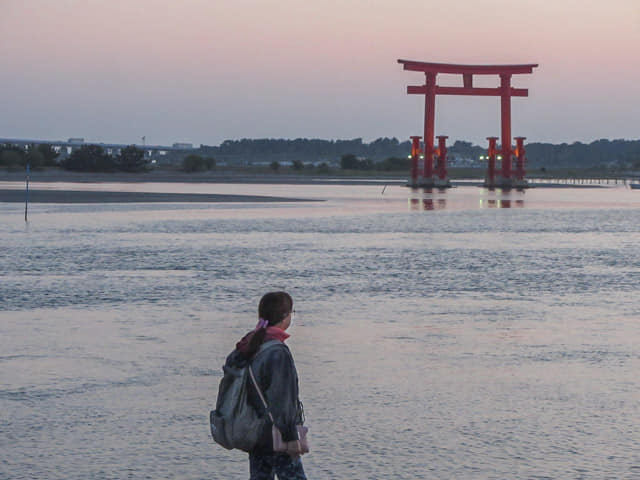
x=264 y=402
x=264 y=347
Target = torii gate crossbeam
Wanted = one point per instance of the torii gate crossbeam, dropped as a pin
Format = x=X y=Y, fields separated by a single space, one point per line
x=430 y=89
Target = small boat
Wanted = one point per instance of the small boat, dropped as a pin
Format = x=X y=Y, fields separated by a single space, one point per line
x=635 y=186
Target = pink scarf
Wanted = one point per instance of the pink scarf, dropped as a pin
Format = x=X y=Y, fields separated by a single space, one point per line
x=272 y=333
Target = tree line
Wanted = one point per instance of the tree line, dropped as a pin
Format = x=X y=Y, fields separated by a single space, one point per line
x=622 y=153
x=385 y=154
x=577 y=154
x=88 y=158
x=38 y=156
x=306 y=150
x=93 y=158
x=390 y=164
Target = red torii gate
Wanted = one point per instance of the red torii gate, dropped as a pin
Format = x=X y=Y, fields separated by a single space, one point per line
x=505 y=91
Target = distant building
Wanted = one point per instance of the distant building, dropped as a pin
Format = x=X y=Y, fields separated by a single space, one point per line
x=183 y=146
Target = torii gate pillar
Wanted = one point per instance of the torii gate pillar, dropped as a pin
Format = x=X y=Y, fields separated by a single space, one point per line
x=415 y=155
x=505 y=91
x=505 y=120
x=429 y=123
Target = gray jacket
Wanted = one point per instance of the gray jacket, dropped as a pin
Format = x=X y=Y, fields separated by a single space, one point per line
x=276 y=374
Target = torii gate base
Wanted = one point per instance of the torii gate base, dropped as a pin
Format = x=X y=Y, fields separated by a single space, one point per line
x=437 y=179
x=427 y=177
x=507 y=178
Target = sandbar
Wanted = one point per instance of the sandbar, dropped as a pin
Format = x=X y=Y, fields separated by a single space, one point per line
x=82 y=196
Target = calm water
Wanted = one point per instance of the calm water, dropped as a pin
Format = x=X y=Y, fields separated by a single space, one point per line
x=463 y=334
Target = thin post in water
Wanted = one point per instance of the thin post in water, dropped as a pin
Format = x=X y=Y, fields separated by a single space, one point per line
x=26 y=196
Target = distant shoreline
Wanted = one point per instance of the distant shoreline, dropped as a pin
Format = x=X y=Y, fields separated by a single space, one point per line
x=56 y=175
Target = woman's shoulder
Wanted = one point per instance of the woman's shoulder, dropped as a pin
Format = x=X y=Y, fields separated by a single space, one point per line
x=277 y=348
x=275 y=352
x=271 y=345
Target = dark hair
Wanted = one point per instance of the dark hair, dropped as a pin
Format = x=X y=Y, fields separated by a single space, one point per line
x=273 y=307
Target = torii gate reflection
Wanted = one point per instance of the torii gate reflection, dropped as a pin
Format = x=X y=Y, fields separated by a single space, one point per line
x=505 y=91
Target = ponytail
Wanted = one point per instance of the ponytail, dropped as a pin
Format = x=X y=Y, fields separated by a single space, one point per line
x=273 y=308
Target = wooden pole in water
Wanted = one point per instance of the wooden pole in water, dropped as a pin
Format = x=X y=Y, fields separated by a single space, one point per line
x=26 y=196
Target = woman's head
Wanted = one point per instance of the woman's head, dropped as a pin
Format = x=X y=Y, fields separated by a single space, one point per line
x=274 y=307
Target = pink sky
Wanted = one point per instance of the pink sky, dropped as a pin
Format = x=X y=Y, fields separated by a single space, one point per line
x=203 y=71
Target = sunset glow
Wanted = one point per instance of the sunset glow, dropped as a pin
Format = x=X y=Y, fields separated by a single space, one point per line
x=202 y=71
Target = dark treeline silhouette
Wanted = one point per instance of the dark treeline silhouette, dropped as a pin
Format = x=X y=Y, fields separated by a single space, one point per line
x=197 y=163
x=88 y=158
x=577 y=154
x=92 y=158
x=382 y=154
x=304 y=149
x=13 y=156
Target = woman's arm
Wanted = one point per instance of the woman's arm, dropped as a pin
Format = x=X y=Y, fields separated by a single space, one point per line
x=281 y=392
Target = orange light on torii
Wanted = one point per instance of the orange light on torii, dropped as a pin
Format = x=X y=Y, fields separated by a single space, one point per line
x=505 y=91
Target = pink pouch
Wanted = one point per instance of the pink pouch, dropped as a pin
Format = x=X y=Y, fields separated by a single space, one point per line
x=301 y=446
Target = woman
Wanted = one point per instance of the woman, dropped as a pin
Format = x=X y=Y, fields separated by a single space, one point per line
x=275 y=373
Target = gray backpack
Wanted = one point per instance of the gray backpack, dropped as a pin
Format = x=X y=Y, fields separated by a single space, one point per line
x=235 y=423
